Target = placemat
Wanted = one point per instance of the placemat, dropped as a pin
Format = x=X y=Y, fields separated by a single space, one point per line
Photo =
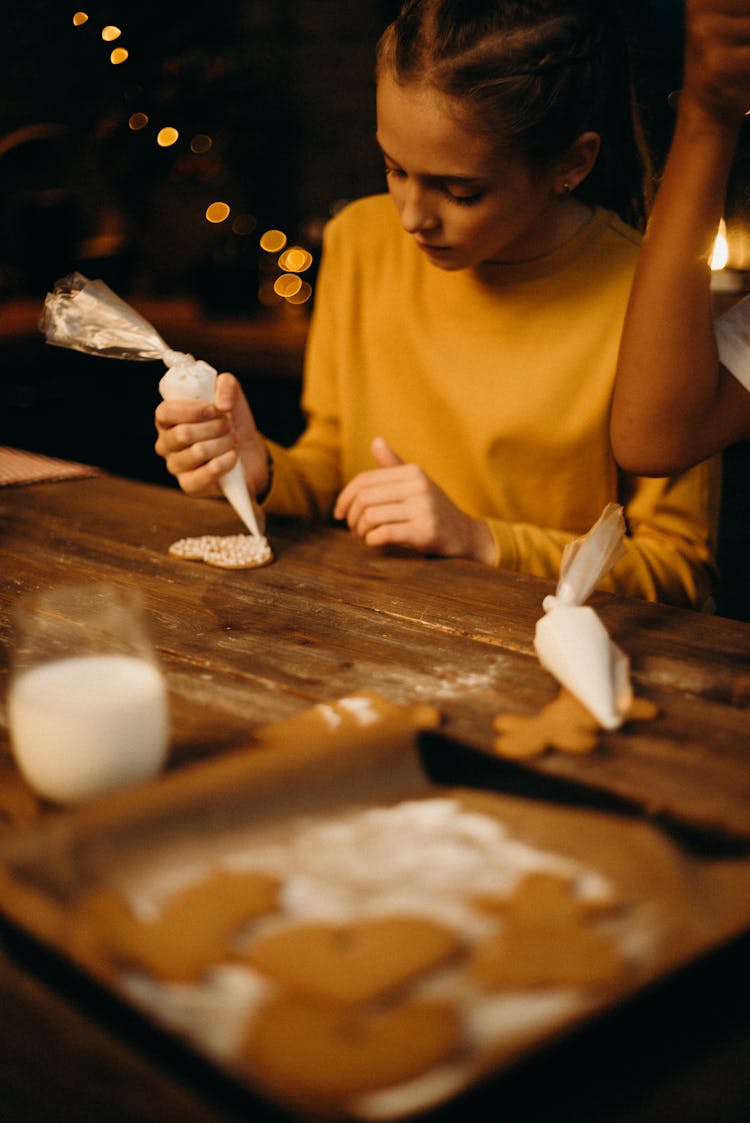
x=20 y=467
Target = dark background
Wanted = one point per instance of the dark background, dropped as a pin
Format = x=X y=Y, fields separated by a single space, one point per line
x=284 y=88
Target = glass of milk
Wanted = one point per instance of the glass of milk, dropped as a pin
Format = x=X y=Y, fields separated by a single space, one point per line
x=87 y=702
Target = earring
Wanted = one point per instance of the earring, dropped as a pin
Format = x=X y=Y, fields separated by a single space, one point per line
x=566 y=189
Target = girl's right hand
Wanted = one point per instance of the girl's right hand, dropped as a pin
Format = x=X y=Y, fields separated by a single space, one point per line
x=201 y=441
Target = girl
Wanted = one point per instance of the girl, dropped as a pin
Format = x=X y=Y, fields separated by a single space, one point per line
x=465 y=339
x=677 y=399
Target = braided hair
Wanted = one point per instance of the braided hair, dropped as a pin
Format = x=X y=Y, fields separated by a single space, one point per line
x=534 y=75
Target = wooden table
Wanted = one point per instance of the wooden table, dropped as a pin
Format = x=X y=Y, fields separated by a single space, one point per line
x=329 y=618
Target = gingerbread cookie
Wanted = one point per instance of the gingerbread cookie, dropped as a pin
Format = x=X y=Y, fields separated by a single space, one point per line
x=228 y=551
x=542 y=893
x=547 y=939
x=353 y=963
x=310 y=1052
x=192 y=931
x=563 y=724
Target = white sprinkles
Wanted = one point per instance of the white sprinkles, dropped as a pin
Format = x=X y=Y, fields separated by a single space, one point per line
x=226 y=551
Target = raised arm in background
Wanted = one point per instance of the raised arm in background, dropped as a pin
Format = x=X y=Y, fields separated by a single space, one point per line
x=674 y=402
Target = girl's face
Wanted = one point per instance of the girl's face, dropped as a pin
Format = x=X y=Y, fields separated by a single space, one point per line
x=464 y=201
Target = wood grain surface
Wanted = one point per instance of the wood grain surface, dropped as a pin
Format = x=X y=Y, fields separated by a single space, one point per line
x=329 y=617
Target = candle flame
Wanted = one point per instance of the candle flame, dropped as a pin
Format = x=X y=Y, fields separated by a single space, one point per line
x=720 y=254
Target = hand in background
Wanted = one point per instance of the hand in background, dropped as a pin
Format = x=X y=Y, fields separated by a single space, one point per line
x=717 y=57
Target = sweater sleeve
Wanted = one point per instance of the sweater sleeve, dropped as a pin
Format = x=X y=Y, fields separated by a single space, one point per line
x=670 y=544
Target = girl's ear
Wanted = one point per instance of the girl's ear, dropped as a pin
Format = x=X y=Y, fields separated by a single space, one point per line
x=577 y=162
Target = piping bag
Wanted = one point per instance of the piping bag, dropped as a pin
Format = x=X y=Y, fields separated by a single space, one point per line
x=88 y=316
x=570 y=639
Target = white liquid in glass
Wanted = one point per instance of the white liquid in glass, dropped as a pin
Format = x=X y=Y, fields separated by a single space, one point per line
x=85 y=725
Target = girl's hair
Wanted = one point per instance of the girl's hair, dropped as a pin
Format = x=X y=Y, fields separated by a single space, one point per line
x=536 y=74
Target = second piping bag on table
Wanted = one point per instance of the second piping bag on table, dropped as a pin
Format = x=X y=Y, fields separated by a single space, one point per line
x=570 y=639
x=88 y=316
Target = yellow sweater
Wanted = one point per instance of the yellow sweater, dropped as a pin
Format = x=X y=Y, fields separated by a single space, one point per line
x=497 y=382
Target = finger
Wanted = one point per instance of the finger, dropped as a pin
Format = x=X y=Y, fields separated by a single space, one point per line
x=176 y=411
x=384 y=454
x=378 y=486
x=182 y=436
x=390 y=534
x=363 y=491
x=202 y=453
x=347 y=496
x=205 y=479
x=374 y=518
x=226 y=392
x=371 y=504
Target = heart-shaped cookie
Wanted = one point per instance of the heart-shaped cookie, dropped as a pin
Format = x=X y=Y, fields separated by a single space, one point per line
x=227 y=551
x=353 y=963
x=304 y=1051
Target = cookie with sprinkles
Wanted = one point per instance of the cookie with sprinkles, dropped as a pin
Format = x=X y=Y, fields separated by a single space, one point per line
x=225 y=551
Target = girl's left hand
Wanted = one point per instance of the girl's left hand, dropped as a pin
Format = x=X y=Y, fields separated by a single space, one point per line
x=398 y=504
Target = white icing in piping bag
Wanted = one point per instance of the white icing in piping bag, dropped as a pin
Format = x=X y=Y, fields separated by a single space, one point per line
x=87 y=316
x=187 y=377
x=571 y=640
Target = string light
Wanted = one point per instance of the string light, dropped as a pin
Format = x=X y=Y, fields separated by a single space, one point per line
x=167 y=136
x=217 y=212
x=288 y=286
x=244 y=224
x=302 y=295
x=295 y=260
x=200 y=144
x=273 y=241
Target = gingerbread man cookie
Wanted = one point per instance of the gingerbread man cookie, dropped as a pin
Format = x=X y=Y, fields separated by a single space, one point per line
x=563 y=724
x=192 y=931
x=547 y=938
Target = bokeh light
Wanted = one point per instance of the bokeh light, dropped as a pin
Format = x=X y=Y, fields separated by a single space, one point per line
x=217 y=212
x=167 y=136
x=302 y=295
x=273 y=241
x=200 y=144
x=287 y=285
x=281 y=264
x=295 y=260
x=244 y=224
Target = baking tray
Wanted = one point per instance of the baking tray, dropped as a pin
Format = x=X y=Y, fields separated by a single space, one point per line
x=360 y=816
